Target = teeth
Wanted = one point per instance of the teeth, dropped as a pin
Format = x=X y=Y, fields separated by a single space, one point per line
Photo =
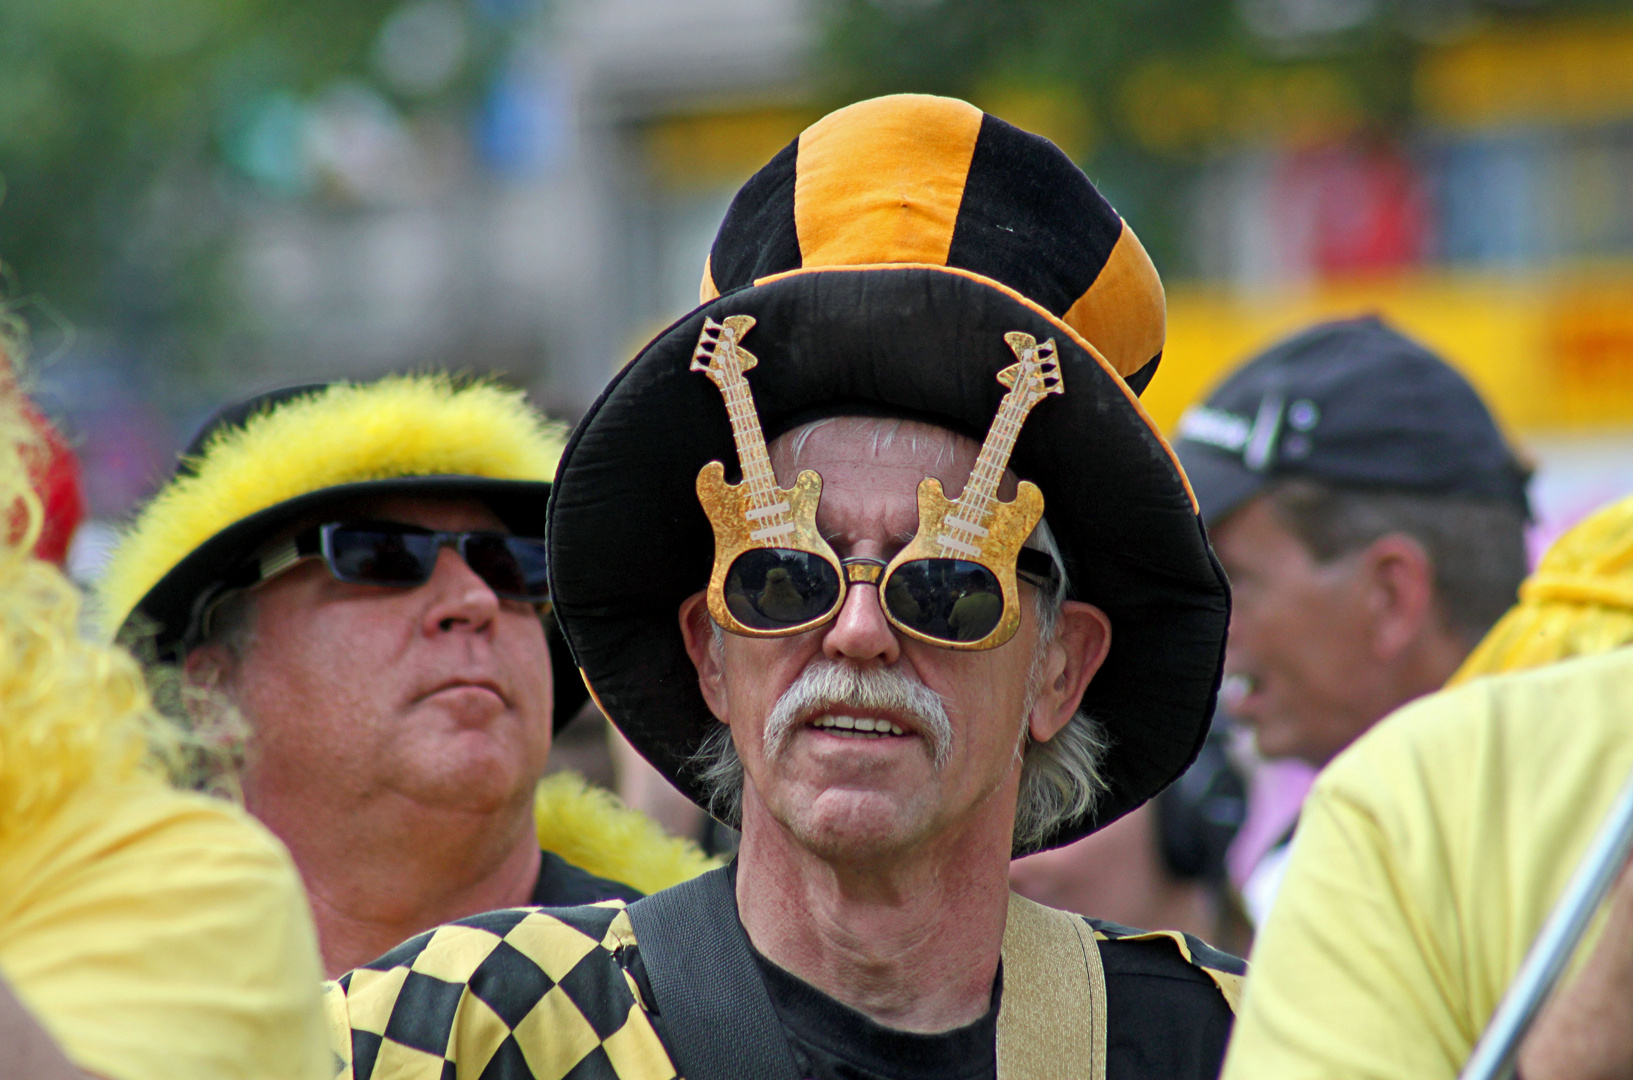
x=861 y=725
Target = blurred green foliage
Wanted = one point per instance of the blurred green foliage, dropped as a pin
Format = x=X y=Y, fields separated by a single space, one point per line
x=119 y=120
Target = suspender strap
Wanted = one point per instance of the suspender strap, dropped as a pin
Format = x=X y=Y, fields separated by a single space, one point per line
x=716 y=1010
x=1052 y=1019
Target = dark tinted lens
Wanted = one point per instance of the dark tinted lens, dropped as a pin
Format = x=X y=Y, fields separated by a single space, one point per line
x=946 y=599
x=380 y=557
x=513 y=566
x=775 y=588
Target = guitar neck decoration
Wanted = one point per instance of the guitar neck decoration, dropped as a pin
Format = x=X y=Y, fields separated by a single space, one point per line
x=719 y=356
x=1034 y=376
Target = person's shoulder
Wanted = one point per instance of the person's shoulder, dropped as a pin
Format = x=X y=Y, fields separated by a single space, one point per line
x=1170 y=1003
x=561 y=884
x=141 y=837
x=1509 y=722
x=140 y=911
x=1127 y=953
x=506 y=987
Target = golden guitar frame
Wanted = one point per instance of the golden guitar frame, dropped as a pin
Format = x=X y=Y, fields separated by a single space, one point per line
x=975 y=528
x=755 y=513
x=978 y=527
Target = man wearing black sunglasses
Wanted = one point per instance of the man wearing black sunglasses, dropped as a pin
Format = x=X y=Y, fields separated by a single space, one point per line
x=875 y=556
x=359 y=572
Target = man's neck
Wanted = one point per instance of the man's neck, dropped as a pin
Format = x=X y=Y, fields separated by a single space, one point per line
x=398 y=868
x=911 y=941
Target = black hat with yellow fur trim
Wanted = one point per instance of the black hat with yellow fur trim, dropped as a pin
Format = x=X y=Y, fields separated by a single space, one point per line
x=884 y=255
x=282 y=460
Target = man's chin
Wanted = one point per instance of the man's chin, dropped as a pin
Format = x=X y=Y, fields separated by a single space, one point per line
x=852 y=825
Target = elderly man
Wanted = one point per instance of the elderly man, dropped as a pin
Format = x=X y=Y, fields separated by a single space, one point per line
x=900 y=670
x=1372 y=520
x=359 y=571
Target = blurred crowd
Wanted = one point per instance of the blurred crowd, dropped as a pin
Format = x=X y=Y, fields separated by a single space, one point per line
x=319 y=718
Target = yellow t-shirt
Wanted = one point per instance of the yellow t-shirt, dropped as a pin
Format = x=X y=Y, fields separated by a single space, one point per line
x=1425 y=862
x=163 y=936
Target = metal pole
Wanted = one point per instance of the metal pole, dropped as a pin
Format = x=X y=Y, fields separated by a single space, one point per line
x=1493 y=1056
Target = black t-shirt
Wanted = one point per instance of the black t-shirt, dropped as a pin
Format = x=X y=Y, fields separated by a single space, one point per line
x=1165 y=1020
x=561 y=884
x=832 y=1041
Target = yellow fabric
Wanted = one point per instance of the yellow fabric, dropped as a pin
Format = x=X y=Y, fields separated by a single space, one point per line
x=881 y=181
x=1426 y=859
x=1578 y=603
x=162 y=936
x=553 y=1022
x=409 y=425
x=1125 y=311
x=592 y=829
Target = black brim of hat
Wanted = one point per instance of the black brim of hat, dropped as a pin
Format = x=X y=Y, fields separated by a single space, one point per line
x=629 y=541
x=1223 y=485
x=168 y=607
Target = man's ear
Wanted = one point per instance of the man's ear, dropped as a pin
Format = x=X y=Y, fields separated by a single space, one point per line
x=1399 y=578
x=1082 y=640
x=697 y=631
x=211 y=665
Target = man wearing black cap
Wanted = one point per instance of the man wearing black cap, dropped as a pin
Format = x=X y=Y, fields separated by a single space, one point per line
x=1371 y=519
x=359 y=571
x=876 y=557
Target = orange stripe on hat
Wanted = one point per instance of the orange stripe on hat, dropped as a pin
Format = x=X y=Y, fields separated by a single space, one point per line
x=1125 y=312
x=881 y=181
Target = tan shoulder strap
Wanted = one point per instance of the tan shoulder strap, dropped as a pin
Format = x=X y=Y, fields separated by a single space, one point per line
x=1052 y=1018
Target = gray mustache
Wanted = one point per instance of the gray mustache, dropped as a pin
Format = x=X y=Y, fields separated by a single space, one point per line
x=832 y=686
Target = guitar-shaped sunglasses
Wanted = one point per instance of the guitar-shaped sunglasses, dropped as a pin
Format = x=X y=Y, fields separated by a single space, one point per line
x=953 y=585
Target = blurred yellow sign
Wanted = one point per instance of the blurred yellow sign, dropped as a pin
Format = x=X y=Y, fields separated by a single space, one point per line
x=1579 y=72
x=1549 y=352
x=720 y=150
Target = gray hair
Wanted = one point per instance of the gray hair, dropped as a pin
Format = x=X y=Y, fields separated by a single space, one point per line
x=1476 y=546
x=1061 y=779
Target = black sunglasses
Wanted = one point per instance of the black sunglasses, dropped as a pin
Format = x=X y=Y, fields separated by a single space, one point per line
x=404 y=556
x=941 y=601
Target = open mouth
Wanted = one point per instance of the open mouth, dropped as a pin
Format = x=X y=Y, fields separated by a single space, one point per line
x=858 y=727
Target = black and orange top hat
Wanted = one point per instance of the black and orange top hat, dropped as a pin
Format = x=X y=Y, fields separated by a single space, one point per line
x=883 y=256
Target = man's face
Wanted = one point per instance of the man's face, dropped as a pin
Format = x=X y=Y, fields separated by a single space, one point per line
x=438 y=695
x=852 y=795
x=1300 y=665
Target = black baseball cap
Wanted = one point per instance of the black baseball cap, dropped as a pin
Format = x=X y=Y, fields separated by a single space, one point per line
x=1355 y=404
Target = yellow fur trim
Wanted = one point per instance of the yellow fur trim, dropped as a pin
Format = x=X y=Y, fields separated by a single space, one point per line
x=592 y=829
x=405 y=425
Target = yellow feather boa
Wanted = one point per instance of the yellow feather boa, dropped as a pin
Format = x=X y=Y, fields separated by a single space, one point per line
x=591 y=828
x=402 y=425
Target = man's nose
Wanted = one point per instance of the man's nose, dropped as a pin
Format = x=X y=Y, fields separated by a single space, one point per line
x=459 y=596
x=860 y=631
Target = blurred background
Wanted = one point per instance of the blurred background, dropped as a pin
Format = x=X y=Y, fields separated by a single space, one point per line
x=203 y=198
x=206 y=198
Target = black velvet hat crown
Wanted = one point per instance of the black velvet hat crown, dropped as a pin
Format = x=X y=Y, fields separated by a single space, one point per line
x=884 y=255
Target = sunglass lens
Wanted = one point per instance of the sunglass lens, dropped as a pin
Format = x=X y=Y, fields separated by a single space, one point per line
x=513 y=566
x=381 y=557
x=775 y=588
x=945 y=599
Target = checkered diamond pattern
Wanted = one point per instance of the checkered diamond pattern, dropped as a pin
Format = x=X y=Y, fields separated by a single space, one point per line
x=520 y=994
